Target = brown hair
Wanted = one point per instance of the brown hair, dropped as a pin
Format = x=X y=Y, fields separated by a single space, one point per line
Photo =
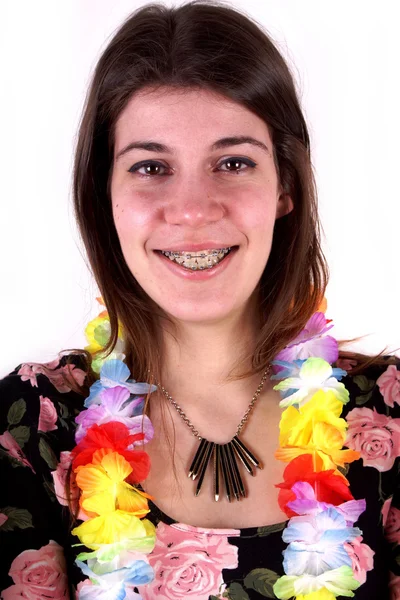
x=208 y=45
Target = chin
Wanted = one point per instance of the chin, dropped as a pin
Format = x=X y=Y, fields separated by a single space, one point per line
x=205 y=311
x=195 y=313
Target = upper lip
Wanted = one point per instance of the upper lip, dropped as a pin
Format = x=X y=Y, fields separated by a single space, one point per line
x=182 y=247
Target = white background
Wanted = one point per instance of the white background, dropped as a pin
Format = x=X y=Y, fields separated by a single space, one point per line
x=345 y=56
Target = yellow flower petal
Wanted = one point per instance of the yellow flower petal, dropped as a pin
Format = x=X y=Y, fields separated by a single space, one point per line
x=323 y=402
x=97 y=332
x=104 y=488
x=327 y=437
x=110 y=528
x=287 y=454
x=322 y=594
x=298 y=426
x=343 y=457
x=323 y=305
x=132 y=500
x=100 y=504
x=92 y=479
x=100 y=454
x=289 y=420
x=116 y=467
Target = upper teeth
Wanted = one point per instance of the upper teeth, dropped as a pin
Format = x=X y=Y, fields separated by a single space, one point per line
x=203 y=259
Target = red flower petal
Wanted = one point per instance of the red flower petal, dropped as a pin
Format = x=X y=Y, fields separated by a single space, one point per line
x=114 y=436
x=328 y=487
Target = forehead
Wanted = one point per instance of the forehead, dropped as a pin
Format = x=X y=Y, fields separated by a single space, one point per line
x=196 y=114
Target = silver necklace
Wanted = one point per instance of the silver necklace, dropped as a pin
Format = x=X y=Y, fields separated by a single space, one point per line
x=224 y=457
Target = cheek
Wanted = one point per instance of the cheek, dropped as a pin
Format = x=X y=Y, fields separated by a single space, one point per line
x=133 y=217
x=255 y=212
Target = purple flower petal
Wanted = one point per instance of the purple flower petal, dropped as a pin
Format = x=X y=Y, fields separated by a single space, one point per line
x=115 y=406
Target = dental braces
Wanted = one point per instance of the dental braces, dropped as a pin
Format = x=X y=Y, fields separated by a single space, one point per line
x=189 y=256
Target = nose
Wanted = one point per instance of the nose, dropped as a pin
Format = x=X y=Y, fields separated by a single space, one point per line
x=192 y=204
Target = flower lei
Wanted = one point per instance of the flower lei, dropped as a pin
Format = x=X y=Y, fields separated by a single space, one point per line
x=107 y=465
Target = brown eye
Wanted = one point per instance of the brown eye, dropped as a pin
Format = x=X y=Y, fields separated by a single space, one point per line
x=233 y=164
x=151 y=168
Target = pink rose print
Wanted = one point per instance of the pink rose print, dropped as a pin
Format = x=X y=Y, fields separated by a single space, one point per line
x=3 y=519
x=394 y=586
x=375 y=436
x=346 y=363
x=38 y=574
x=60 y=480
x=385 y=510
x=188 y=562
x=58 y=376
x=47 y=415
x=14 y=449
x=361 y=558
x=392 y=526
x=389 y=385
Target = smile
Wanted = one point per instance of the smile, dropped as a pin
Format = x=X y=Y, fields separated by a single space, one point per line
x=200 y=260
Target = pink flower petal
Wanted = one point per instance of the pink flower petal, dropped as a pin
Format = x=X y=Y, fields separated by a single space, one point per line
x=362 y=558
x=375 y=436
x=57 y=375
x=389 y=385
x=385 y=510
x=39 y=574
x=47 y=415
x=188 y=562
x=392 y=525
x=14 y=449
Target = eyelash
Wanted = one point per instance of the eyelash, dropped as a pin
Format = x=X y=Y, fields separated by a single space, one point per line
x=135 y=168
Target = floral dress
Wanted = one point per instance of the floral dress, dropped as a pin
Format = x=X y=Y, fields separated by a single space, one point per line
x=37 y=413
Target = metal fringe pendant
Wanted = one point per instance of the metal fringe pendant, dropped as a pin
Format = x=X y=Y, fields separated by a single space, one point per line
x=225 y=468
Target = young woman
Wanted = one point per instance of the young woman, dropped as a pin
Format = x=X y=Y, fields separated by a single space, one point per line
x=226 y=449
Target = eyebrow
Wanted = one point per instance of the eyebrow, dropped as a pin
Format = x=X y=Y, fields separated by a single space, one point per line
x=221 y=143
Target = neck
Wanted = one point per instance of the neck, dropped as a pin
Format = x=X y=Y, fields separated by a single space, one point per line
x=203 y=358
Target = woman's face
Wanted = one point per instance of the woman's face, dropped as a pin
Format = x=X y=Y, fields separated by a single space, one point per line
x=188 y=180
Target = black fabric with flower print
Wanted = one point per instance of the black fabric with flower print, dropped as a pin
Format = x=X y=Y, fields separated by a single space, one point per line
x=37 y=413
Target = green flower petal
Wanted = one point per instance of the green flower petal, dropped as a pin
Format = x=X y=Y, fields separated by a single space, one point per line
x=316 y=369
x=284 y=587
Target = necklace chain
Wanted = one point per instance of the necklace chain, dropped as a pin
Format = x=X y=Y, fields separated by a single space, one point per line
x=243 y=420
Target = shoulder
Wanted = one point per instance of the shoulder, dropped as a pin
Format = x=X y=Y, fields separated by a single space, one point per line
x=377 y=386
x=373 y=414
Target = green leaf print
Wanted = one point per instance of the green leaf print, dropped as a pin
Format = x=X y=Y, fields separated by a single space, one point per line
x=365 y=384
x=16 y=517
x=63 y=423
x=49 y=487
x=16 y=411
x=20 y=434
x=268 y=529
x=64 y=412
x=236 y=592
x=262 y=581
x=47 y=454
x=344 y=470
x=363 y=399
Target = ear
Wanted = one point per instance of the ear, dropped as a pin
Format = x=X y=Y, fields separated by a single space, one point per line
x=284 y=206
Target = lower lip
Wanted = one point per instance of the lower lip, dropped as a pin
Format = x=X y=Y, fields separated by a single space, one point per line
x=198 y=275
